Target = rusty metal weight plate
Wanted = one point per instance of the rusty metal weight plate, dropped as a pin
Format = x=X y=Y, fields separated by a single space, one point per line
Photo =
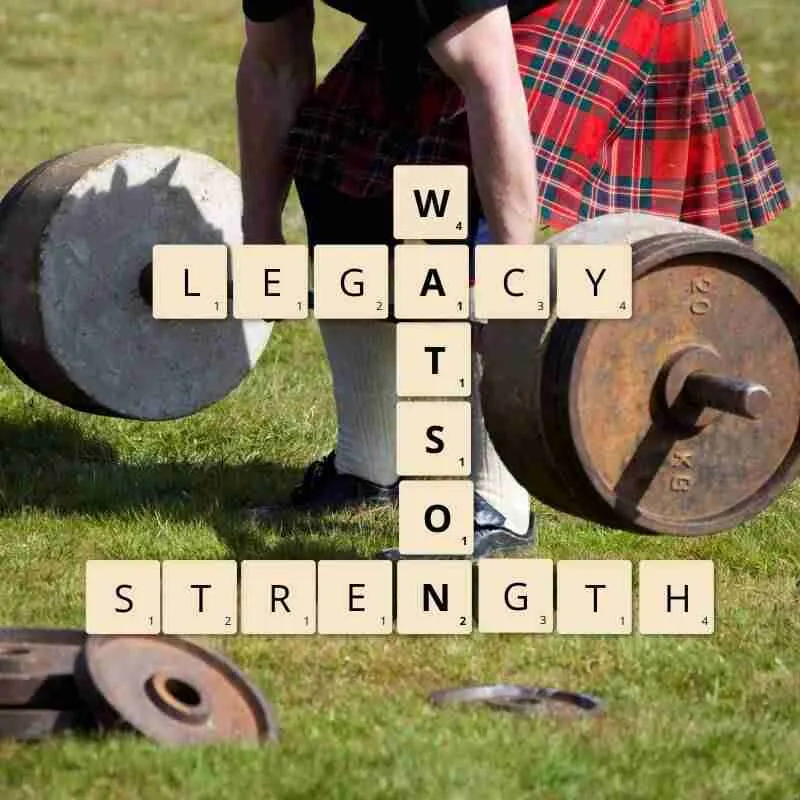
x=37 y=668
x=683 y=420
x=172 y=691
x=34 y=724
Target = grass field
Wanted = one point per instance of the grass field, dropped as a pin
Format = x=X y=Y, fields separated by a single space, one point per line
x=688 y=718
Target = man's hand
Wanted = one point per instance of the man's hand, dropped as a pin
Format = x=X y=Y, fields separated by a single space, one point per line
x=478 y=54
x=277 y=71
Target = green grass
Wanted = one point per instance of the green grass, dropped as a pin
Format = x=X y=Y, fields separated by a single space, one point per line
x=706 y=718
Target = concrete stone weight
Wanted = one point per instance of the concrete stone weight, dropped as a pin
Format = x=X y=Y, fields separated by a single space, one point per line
x=75 y=235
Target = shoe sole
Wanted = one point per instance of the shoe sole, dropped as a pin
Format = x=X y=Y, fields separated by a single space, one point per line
x=505 y=545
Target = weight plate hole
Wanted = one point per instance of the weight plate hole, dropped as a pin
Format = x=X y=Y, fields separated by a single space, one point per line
x=182 y=692
x=177 y=698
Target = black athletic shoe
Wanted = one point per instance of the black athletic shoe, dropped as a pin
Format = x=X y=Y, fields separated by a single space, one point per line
x=491 y=535
x=323 y=488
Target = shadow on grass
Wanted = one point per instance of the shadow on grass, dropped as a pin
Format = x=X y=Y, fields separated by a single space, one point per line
x=56 y=468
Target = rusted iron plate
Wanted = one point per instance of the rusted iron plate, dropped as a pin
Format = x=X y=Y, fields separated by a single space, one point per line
x=625 y=442
x=33 y=724
x=37 y=668
x=519 y=361
x=684 y=420
x=172 y=691
x=513 y=385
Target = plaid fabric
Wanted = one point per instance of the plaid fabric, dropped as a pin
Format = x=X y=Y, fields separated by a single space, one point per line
x=635 y=105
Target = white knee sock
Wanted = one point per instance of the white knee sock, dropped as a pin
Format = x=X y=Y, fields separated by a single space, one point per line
x=493 y=482
x=362 y=357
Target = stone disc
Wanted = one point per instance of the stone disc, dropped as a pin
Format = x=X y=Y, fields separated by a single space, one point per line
x=172 y=691
x=75 y=235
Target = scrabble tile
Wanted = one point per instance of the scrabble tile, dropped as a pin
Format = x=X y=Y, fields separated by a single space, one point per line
x=351 y=281
x=676 y=597
x=190 y=281
x=512 y=281
x=433 y=438
x=270 y=281
x=436 y=517
x=434 y=359
x=123 y=597
x=434 y=597
x=279 y=597
x=354 y=597
x=594 y=597
x=430 y=202
x=594 y=282
x=431 y=281
x=515 y=595
x=199 y=597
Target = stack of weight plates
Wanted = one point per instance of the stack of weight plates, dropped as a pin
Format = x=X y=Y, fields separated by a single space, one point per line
x=38 y=693
x=168 y=689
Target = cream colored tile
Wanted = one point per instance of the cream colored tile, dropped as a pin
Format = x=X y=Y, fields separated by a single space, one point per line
x=676 y=597
x=279 y=597
x=436 y=517
x=515 y=595
x=431 y=201
x=270 y=281
x=512 y=281
x=434 y=597
x=354 y=597
x=431 y=281
x=199 y=597
x=351 y=281
x=190 y=281
x=594 y=597
x=434 y=359
x=594 y=282
x=434 y=438
x=123 y=597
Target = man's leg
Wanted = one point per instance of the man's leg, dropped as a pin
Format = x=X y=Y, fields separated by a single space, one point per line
x=362 y=468
x=363 y=358
x=503 y=516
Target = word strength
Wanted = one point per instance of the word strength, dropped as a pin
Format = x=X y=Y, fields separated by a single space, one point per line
x=528 y=596
x=441 y=280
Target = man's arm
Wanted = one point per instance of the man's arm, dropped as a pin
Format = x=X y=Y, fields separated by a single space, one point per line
x=478 y=54
x=277 y=71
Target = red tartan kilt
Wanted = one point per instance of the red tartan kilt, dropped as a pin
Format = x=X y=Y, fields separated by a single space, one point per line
x=642 y=105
